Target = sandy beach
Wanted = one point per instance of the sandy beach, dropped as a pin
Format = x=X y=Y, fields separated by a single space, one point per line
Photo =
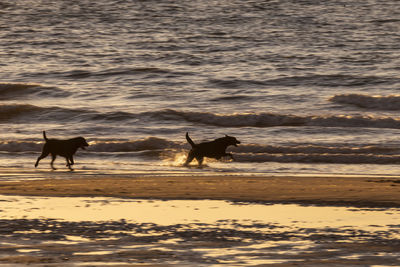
x=81 y=219
x=329 y=190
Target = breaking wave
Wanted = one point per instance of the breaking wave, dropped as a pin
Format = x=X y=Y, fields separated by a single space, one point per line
x=390 y=102
x=160 y=149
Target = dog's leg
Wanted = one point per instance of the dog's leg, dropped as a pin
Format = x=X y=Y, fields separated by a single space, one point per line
x=69 y=165
x=70 y=161
x=229 y=155
x=44 y=154
x=53 y=158
x=200 y=160
x=189 y=159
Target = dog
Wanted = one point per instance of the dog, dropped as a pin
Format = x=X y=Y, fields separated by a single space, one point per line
x=64 y=148
x=214 y=149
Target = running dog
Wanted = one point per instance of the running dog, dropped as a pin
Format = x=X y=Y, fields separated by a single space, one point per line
x=64 y=148
x=213 y=149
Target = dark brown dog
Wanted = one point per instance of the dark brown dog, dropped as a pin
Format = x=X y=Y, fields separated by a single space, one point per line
x=64 y=148
x=214 y=149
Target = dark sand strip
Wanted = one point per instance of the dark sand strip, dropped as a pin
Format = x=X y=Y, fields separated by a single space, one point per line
x=349 y=191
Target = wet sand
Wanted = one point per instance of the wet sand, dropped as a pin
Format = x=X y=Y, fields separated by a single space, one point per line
x=31 y=234
x=99 y=231
x=329 y=190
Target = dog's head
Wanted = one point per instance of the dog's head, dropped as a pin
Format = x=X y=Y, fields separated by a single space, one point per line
x=81 y=142
x=230 y=140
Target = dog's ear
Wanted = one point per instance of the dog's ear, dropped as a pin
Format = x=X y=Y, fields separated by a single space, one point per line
x=226 y=135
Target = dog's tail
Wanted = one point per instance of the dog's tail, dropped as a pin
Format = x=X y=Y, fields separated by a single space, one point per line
x=190 y=141
x=44 y=136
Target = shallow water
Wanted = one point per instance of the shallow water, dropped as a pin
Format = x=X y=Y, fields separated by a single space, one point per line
x=111 y=231
x=298 y=83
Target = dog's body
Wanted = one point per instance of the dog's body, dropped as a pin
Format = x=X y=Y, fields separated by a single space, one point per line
x=214 y=149
x=64 y=148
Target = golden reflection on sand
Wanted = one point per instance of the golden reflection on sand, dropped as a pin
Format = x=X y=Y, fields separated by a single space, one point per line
x=192 y=211
x=102 y=231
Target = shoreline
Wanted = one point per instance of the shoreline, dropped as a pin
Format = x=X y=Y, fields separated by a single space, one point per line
x=330 y=190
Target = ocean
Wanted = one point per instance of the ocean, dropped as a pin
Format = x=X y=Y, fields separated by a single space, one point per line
x=308 y=87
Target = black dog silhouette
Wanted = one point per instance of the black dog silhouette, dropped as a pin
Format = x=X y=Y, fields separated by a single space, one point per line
x=213 y=149
x=64 y=148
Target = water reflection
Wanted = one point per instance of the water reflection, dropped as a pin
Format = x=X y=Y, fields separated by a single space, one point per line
x=193 y=211
x=201 y=232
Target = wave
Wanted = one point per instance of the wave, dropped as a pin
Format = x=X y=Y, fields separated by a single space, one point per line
x=390 y=102
x=230 y=120
x=9 y=112
x=156 y=143
x=156 y=148
x=311 y=153
x=147 y=144
x=11 y=90
x=83 y=74
x=237 y=83
x=20 y=90
x=318 y=149
x=29 y=113
x=20 y=146
x=150 y=143
x=319 y=158
x=271 y=119
x=232 y=98
x=18 y=112
x=335 y=80
x=383 y=21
